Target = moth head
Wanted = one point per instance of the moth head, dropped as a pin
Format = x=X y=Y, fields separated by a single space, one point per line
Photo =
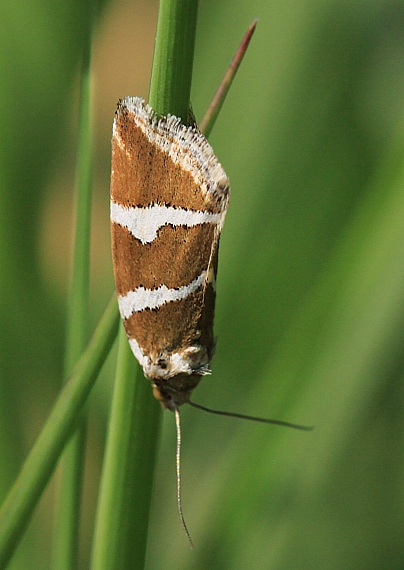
x=175 y=391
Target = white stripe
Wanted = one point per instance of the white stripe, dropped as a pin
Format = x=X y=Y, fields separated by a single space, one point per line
x=138 y=352
x=142 y=298
x=144 y=223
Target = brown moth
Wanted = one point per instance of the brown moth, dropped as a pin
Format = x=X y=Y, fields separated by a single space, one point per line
x=169 y=197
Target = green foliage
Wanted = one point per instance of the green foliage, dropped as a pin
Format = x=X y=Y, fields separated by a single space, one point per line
x=310 y=288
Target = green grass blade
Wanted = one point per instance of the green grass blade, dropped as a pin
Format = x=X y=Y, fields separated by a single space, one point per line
x=121 y=544
x=66 y=532
x=38 y=467
x=123 y=512
x=212 y=112
x=170 y=84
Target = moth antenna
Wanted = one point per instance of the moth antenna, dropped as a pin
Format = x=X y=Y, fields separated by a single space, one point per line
x=178 y=462
x=251 y=418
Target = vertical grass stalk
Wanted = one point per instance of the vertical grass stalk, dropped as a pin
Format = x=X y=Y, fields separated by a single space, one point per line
x=67 y=513
x=20 y=502
x=127 y=479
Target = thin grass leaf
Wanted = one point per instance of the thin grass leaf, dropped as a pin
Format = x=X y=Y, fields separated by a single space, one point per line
x=66 y=533
x=122 y=524
x=17 y=509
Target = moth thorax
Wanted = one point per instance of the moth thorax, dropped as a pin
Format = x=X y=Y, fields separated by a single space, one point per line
x=175 y=391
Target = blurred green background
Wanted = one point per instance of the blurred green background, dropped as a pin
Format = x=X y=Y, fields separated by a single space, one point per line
x=310 y=312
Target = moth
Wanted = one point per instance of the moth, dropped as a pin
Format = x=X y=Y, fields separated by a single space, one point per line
x=169 y=197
